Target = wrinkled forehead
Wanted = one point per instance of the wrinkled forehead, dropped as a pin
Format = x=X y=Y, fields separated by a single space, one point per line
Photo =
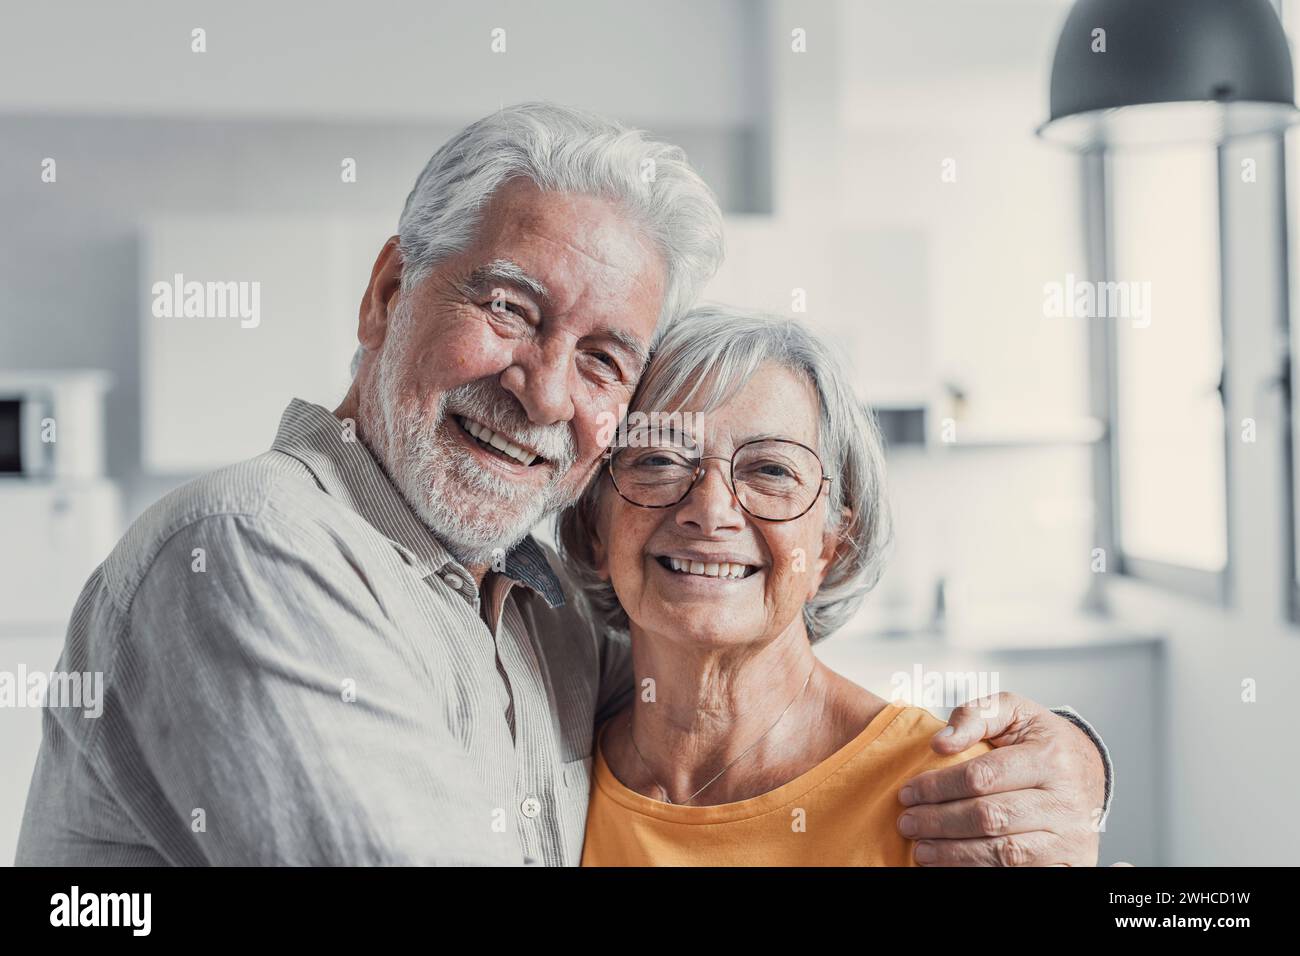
x=580 y=252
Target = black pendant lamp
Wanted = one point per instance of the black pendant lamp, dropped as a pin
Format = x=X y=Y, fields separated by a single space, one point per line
x=1147 y=72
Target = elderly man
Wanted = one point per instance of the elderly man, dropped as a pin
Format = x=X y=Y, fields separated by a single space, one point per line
x=350 y=650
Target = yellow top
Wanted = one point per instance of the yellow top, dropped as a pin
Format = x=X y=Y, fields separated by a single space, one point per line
x=842 y=812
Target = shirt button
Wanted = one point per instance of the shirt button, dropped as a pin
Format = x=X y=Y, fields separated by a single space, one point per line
x=531 y=807
x=453 y=581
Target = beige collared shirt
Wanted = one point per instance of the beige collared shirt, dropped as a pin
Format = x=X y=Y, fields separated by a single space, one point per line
x=297 y=672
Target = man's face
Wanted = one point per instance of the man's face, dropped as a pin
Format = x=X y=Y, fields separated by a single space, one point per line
x=537 y=332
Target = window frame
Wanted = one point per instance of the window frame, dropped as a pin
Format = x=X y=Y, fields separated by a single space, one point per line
x=1213 y=587
x=1290 y=341
x=1286 y=380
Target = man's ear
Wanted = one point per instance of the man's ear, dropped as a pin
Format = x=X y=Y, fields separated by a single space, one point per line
x=380 y=296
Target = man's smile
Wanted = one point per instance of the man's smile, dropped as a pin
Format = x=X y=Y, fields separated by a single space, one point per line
x=499 y=445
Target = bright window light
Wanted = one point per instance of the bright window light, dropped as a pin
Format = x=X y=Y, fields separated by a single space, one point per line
x=1169 y=421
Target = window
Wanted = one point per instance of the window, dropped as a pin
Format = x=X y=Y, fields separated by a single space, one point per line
x=1291 y=384
x=1167 y=412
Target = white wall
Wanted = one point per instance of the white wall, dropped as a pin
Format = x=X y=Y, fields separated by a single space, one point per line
x=683 y=62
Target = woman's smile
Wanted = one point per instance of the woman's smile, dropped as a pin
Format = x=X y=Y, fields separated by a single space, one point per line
x=707 y=572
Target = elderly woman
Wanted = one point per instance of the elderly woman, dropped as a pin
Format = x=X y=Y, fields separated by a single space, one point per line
x=740 y=519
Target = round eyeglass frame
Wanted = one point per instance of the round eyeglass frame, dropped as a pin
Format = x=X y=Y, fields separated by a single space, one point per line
x=731 y=478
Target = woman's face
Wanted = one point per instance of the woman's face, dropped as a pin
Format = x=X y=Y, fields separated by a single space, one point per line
x=786 y=561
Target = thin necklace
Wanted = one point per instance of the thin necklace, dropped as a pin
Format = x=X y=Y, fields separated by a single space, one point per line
x=714 y=779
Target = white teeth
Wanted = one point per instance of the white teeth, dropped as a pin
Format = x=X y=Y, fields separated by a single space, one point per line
x=720 y=569
x=488 y=437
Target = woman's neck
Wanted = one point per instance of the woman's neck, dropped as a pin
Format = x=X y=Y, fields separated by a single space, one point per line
x=699 y=709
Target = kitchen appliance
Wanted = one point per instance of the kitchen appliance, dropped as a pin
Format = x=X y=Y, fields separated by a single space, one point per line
x=51 y=424
x=59 y=514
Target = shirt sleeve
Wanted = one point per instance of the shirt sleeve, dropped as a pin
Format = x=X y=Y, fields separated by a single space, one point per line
x=1073 y=716
x=269 y=712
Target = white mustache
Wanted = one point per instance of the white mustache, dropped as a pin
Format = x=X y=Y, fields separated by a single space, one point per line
x=490 y=405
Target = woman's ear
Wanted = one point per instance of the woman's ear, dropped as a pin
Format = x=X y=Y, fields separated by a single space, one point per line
x=833 y=541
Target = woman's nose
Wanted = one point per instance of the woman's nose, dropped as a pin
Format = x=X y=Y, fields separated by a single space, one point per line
x=711 y=506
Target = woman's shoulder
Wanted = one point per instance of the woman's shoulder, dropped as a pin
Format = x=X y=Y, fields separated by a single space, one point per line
x=892 y=727
x=905 y=741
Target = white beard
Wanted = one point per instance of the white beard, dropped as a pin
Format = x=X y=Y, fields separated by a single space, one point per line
x=476 y=514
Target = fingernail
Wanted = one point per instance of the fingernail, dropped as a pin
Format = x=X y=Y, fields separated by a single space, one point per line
x=925 y=853
x=947 y=731
x=907 y=825
x=907 y=796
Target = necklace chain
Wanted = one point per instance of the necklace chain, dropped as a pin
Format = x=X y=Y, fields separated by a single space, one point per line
x=743 y=753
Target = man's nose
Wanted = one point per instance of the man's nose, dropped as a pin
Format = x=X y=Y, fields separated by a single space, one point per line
x=711 y=506
x=541 y=378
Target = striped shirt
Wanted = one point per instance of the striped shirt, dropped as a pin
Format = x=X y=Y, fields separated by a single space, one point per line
x=296 y=672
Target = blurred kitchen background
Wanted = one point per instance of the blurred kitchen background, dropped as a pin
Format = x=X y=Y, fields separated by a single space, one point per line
x=1082 y=516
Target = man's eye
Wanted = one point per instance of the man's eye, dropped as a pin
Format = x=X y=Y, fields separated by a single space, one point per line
x=502 y=307
x=608 y=364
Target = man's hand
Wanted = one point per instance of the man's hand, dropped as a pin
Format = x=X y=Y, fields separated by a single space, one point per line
x=1033 y=801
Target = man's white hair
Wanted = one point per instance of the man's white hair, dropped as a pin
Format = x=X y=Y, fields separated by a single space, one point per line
x=561 y=149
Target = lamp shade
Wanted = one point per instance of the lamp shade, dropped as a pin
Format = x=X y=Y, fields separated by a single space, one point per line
x=1134 y=72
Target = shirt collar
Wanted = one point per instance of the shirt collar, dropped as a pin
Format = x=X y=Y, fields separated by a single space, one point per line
x=345 y=470
x=526 y=563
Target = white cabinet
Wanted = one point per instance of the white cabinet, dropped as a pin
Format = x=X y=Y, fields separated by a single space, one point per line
x=1114 y=680
x=54 y=534
x=267 y=312
x=20 y=735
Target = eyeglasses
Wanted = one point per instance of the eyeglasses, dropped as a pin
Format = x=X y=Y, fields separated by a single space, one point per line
x=773 y=479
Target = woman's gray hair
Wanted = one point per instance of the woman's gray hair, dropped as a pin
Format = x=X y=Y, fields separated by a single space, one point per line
x=561 y=149
x=701 y=362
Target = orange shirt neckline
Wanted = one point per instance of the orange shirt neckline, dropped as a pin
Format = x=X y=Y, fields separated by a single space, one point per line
x=613 y=788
